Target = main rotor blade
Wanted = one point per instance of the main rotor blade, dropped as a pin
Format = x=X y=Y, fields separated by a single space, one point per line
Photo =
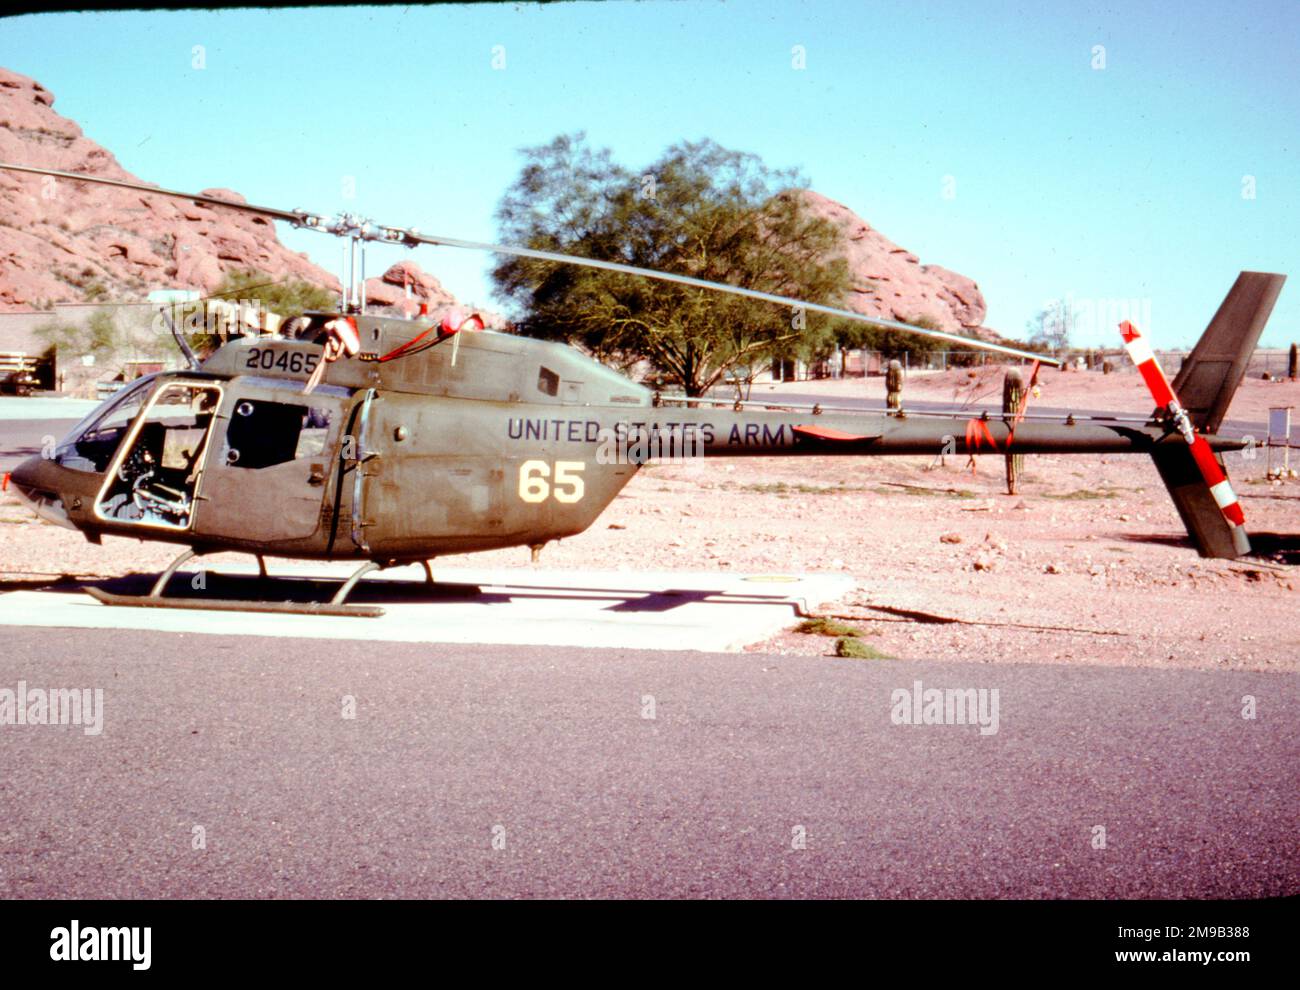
x=291 y=215
x=699 y=283
x=410 y=238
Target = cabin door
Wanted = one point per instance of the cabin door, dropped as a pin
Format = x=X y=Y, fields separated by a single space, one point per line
x=269 y=466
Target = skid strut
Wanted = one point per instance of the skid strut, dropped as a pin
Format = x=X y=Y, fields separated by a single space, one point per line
x=341 y=595
x=160 y=585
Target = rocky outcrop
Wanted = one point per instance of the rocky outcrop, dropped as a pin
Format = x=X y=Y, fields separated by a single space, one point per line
x=890 y=282
x=392 y=288
x=65 y=241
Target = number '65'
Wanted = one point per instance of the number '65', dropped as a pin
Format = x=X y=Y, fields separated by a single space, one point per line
x=566 y=485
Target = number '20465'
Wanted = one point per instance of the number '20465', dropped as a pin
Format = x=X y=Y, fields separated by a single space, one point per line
x=294 y=362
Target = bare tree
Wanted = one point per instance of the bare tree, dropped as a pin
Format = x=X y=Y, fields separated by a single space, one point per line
x=1053 y=326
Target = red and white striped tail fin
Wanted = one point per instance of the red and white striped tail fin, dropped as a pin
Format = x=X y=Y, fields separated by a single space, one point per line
x=1190 y=504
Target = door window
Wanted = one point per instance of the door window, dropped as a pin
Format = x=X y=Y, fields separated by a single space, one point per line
x=262 y=433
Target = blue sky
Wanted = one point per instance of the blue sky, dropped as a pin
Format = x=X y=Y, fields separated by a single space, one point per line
x=1104 y=185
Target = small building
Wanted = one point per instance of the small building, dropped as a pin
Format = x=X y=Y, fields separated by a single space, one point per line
x=145 y=346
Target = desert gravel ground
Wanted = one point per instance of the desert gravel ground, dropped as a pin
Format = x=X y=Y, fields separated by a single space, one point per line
x=1088 y=564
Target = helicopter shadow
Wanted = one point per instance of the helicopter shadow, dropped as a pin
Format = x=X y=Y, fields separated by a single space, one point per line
x=1274 y=548
x=1159 y=540
x=304 y=590
x=908 y=615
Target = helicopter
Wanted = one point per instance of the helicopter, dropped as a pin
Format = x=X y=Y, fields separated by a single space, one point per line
x=385 y=441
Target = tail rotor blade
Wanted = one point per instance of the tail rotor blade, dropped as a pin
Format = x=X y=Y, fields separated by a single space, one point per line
x=1163 y=393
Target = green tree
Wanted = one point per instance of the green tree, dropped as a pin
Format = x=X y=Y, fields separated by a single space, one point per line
x=287 y=297
x=699 y=210
x=100 y=335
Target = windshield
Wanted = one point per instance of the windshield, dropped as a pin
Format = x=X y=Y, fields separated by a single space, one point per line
x=93 y=442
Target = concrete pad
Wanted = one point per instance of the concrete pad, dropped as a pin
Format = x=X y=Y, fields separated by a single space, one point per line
x=693 y=611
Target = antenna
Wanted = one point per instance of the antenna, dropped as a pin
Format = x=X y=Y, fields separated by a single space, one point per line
x=343 y=277
x=189 y=355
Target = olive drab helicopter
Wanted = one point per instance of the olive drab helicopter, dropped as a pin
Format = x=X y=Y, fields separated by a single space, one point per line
x=387 y=441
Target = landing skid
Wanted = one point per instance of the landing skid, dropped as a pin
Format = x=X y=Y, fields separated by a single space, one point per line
x=335 y=606
x=235 y=605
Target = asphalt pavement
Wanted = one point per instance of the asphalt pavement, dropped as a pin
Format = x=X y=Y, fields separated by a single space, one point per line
x=237 y=766
x=22 y=438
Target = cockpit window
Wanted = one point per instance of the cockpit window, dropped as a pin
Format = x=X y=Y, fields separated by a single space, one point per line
x=93 y=442
x=263 y=433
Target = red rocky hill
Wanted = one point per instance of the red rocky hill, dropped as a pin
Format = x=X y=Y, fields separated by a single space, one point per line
x=64 y=241
x=890 y=282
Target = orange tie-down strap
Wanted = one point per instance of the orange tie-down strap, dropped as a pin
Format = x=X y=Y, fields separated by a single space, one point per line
x=977 y=429
x=399 y=351
x=978 y=434
x=453 y=323
x=835 y=436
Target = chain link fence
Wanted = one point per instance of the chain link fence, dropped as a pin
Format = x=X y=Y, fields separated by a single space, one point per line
x=1273 y=361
